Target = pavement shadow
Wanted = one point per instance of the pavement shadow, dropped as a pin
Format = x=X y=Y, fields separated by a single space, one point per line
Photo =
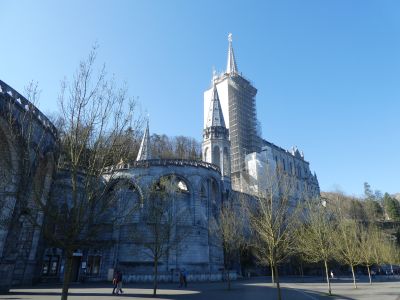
x=341 y=278
x=240 y=290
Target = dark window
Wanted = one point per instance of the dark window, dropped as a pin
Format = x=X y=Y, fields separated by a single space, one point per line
x=50 y=265
x=203 y=193
x=93 y=265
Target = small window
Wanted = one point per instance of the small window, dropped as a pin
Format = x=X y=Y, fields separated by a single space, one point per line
x=50 y=265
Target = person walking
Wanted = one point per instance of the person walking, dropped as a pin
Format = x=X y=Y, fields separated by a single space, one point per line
x=119 y=283
x=114 y=281
x=184 y=275
x=181 y=282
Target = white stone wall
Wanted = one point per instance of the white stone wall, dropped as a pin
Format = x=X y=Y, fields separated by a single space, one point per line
x=261 y=167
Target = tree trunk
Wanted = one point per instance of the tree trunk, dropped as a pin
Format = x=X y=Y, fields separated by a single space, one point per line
x=301 y=269
x=272 y=272
x=354 y=277
x=327 y=277
x=229 y=279
x=155 y=277
x=278 y=286
x=67 y=276
x=369 y=274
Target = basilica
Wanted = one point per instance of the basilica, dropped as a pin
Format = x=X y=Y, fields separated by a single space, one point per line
x=235 y=160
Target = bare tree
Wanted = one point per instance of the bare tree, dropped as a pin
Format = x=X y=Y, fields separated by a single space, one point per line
x=347 y=243
x=95 y=116
x=164 y=226
x=229 y=230
x=371 y=242
x=273 y=218
x=179 y=147
x=315 y=235
x=390 y=252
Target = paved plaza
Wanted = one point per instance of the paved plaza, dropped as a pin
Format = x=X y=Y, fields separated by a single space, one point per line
x=257 y=288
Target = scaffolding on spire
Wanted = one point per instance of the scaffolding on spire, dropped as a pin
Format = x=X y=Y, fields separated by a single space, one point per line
x=144 y=150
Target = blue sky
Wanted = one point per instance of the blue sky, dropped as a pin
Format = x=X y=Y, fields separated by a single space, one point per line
x=327 y=72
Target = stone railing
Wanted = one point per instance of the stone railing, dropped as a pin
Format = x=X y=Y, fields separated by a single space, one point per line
x=25 y=105
x=163 y=162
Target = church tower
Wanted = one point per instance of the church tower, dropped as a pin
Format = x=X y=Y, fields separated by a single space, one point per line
x=216 y=145
x=238 y=105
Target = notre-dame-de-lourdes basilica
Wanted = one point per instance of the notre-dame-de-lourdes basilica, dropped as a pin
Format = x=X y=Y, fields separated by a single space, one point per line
x=235 y=159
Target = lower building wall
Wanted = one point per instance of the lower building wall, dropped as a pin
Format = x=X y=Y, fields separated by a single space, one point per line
x=6 y=270
x=192 y=277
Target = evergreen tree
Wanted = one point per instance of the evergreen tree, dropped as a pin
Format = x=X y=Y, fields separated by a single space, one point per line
x=392 y=207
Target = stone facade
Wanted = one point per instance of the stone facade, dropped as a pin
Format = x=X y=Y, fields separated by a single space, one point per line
x=198 y=198
x=28 y=140
x=263 y=165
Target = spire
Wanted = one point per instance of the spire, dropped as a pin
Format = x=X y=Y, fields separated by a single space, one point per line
x=215 y=116
x=231 y=67
x=144 y=150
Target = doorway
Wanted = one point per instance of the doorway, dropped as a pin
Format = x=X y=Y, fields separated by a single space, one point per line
x=76 y=264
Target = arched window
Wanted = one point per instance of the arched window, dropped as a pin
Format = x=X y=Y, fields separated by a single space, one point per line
x=216 y=156
x=226 y=170
x=127 y=199
x=214 y=199
x=182 y=187
x=173 y=183
x=203 y=190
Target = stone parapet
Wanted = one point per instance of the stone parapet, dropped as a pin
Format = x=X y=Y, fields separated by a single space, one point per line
x=163 y=162
x=25 y=105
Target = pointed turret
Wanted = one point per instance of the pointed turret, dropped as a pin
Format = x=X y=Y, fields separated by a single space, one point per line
x=231 y=67
x=144 y=150
x=216 y=145
x=215 y=117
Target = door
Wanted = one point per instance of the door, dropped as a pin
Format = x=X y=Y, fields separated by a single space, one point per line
x=76 y=264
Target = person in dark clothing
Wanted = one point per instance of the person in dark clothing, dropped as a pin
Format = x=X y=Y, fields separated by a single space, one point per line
x=181 y=281
x=119 y=283
x=184 y=275
x=114 y=281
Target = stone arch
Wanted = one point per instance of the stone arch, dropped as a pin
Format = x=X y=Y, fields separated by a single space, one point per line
x=216 y=160
x=183 y=185
x=127 y=182
x=128 y=198
x=183 y=203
